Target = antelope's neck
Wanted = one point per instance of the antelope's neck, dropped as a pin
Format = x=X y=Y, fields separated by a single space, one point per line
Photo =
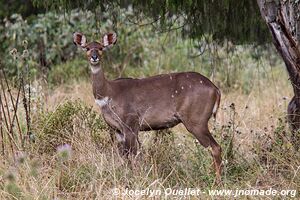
x=99 y=82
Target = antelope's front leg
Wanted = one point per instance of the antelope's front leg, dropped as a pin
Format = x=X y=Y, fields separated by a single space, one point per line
x=130 y=132
x=119 y=140
x=131 y=143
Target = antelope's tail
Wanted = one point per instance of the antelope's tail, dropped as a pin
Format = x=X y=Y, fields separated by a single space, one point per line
x=217 y=104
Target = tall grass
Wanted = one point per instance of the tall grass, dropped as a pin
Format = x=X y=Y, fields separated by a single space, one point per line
x=250 y=127
x=74 y=157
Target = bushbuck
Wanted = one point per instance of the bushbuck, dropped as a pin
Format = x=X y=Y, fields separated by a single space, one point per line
x=131 y=105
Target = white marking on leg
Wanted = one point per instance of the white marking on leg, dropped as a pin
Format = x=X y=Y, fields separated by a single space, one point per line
x=102 y=102
x=120 y=137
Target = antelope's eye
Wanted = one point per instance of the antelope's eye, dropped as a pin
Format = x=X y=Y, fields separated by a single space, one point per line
x=87 y=49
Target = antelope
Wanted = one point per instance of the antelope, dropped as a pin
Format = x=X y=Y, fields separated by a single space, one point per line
x=131 y=105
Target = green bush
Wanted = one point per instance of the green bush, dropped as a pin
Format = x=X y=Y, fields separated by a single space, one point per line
x=74 y=70
x=67 y=120
x=49 y=34
x=49 y=37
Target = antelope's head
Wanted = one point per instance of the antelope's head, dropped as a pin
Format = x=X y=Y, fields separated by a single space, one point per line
x=95 y=49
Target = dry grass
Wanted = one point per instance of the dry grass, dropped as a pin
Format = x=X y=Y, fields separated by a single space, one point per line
x=165 y=160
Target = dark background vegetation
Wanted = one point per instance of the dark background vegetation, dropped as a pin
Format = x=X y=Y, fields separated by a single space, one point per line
x=236 y=20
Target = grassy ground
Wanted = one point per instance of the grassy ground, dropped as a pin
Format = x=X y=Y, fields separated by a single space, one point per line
x=250 y=127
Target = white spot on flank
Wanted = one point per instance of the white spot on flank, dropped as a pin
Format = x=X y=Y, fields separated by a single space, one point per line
x=172 y=96
x=187 y=75
x=176 y=91
x=182 y=87
x=171 y=77
x=190 y=86
x=102 y=102
x=201 y=82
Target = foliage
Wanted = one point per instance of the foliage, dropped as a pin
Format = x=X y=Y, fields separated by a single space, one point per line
x=63 y=73
x=48 y=36
x=133 y=55
x=50 y=45
x=236 y=20
x=26 y=8
x=67 y=121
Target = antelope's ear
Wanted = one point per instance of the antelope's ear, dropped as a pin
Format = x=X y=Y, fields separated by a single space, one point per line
x=109 y=39
x=79 y=39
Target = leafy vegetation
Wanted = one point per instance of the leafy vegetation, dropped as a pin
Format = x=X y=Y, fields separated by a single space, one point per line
x=48 y=37
x=61 y=126
x=50 y=47
x=236 y=20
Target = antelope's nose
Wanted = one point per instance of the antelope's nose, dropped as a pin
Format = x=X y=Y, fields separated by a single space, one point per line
x=94 y=57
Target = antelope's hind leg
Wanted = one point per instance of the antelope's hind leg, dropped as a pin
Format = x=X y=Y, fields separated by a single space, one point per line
x=201 y=132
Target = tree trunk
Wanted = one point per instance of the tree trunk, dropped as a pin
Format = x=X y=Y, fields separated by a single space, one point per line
x=283 y=20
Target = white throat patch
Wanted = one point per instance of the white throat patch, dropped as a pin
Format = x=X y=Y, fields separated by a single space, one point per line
x=95 y=70
x=102 y=102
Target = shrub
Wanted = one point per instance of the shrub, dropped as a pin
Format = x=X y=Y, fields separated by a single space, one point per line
x=74 y=70
x=67 y=120
x=48 y=36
